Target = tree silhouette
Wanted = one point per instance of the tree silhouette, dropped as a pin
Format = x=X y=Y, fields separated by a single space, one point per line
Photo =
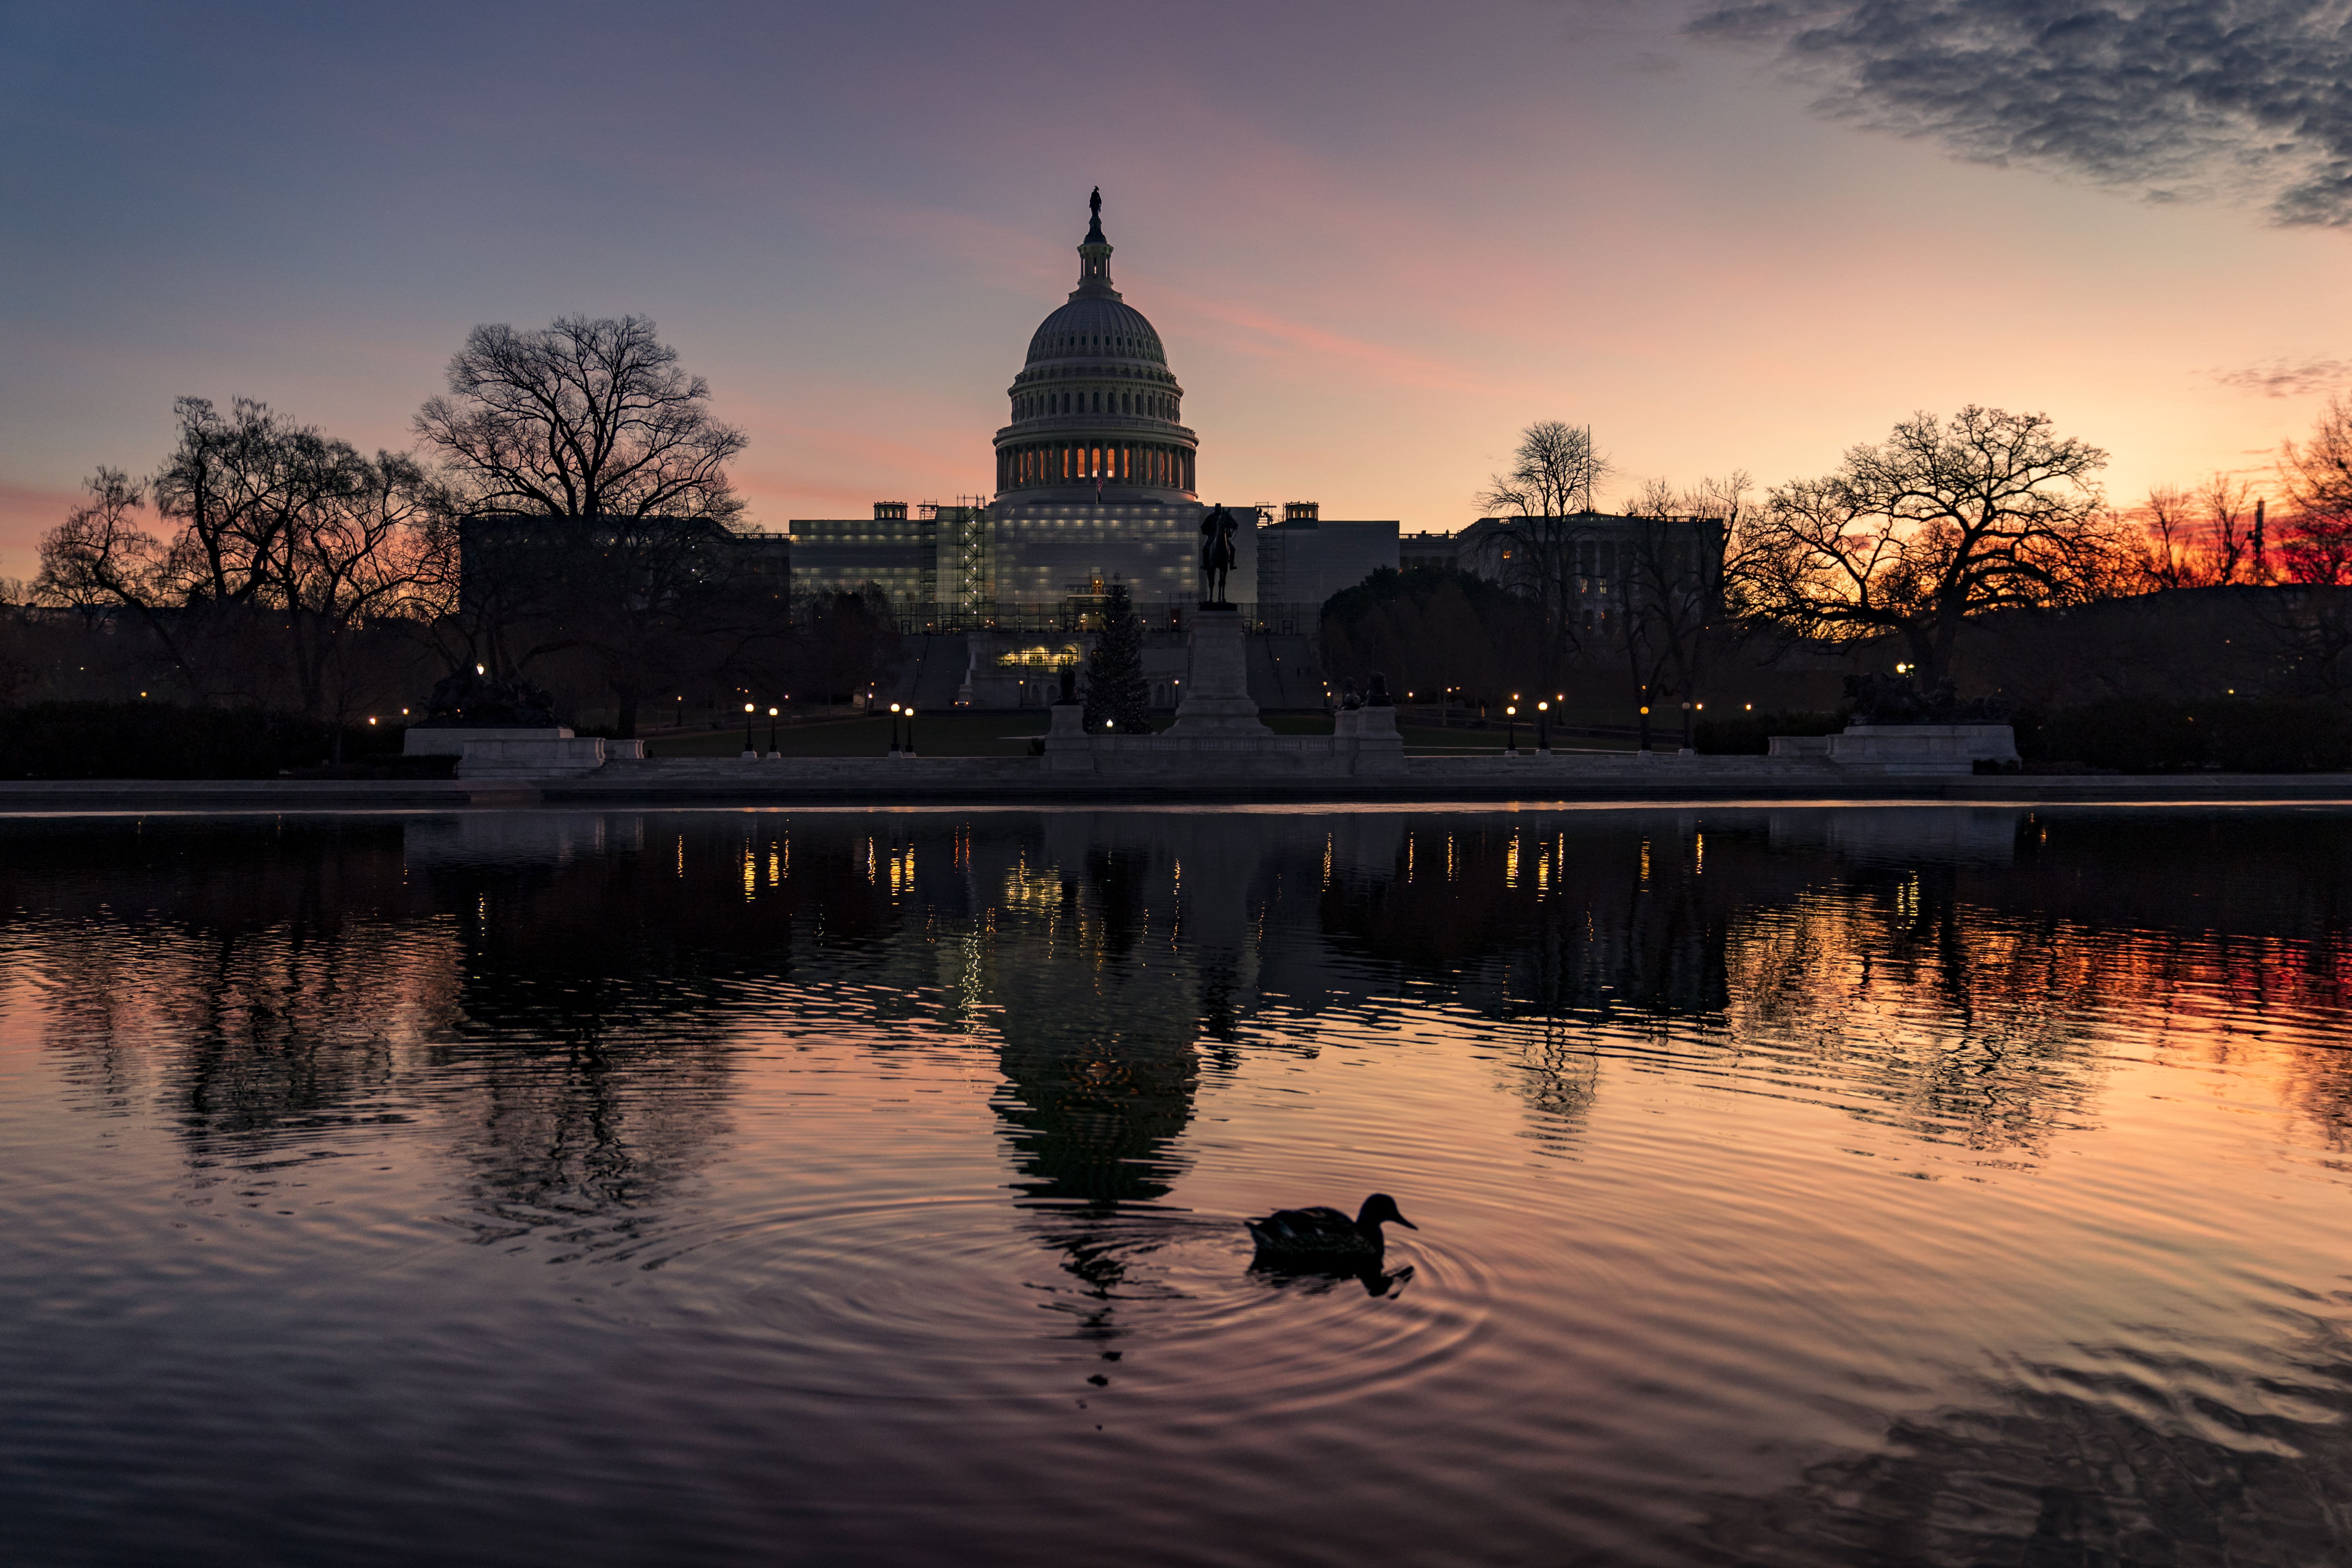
x=1116 y=695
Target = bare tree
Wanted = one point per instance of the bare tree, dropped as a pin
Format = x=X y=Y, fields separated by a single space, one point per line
x=1940 y=522
x=2197 y=538
x=287 y=544
x=598 y=512
x=585 y=418
x=2311 y=623
x=1546 y=499
x=1674 y=560
x=2317 y=473
x=359 y=552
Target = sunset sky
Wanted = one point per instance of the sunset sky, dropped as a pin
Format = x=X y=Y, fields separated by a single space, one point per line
x=1378 y=238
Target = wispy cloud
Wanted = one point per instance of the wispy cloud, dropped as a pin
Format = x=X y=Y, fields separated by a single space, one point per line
x=1269 y=335
x=2288 y=378
x=2171 y=99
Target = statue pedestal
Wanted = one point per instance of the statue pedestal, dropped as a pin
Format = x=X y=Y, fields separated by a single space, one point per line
x=1903 y=748
x=1067 y=748
x=1368 y=734
x=430 y=739
x=1216 y=700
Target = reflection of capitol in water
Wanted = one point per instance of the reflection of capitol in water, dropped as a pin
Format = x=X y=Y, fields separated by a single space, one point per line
x=906 y=1152
x=1111 y=958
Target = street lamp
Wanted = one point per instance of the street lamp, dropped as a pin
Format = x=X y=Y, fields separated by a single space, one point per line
x=894 y=728
x=910 y=729
x=750 y=748
x=772 y=749
x=1543 y=728
x=1511 y=729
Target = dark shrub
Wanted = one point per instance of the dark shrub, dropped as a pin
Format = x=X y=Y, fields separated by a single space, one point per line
x=1746 y=734
x=161 y=741
x=2148 y=735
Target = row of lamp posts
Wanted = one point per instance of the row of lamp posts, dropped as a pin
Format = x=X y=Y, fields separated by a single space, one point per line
x=751 y=746
x=1541 y=721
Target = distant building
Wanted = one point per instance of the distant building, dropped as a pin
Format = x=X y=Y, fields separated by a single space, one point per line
x=519 y=559
x=1425 y=549
x=1596 y=556
x=921 y=557
x=1306 y=558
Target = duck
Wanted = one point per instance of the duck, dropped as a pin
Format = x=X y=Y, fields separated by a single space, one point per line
x=1326 y=1232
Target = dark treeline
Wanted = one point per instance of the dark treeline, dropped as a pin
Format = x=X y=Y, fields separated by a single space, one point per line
x=567 y=520
x=1978 y=552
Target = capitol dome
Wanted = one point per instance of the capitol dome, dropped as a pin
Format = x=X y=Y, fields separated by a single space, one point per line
x=1095 y=412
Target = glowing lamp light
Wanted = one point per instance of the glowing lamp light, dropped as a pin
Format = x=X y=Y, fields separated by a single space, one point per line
x=747 y=708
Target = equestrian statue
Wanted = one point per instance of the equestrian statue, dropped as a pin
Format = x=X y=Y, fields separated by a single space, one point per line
x=1217 y=557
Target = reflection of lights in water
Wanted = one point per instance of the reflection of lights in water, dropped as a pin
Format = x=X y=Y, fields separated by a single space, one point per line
x=1511 y=862
x=1645 y=859
x=970 y=981
x=1023 y=891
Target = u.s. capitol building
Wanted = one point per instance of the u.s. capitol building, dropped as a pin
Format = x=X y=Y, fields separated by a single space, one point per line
x=1096 y=482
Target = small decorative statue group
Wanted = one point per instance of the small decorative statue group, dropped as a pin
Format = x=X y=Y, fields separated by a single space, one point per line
x=477 y=698
x=1897 y=699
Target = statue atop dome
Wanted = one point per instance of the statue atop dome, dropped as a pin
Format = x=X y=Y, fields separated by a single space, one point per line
x=1094 y=254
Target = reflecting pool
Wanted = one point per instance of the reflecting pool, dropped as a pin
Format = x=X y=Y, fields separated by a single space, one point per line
x=1845 y=1185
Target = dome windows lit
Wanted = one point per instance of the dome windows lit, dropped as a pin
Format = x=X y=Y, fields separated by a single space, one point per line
x=1080 y=424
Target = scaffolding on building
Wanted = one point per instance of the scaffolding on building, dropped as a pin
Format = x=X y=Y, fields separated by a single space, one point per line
x=961 y=583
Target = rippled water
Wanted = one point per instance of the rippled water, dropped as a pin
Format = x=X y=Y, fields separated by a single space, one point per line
x=1795 y=1186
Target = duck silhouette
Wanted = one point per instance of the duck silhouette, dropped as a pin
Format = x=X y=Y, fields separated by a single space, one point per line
x=1326 y=1235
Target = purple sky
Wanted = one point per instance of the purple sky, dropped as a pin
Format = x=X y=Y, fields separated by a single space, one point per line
x=1377 y=238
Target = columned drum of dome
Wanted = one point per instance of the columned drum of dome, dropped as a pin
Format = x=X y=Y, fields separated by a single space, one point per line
x=1095 y=412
